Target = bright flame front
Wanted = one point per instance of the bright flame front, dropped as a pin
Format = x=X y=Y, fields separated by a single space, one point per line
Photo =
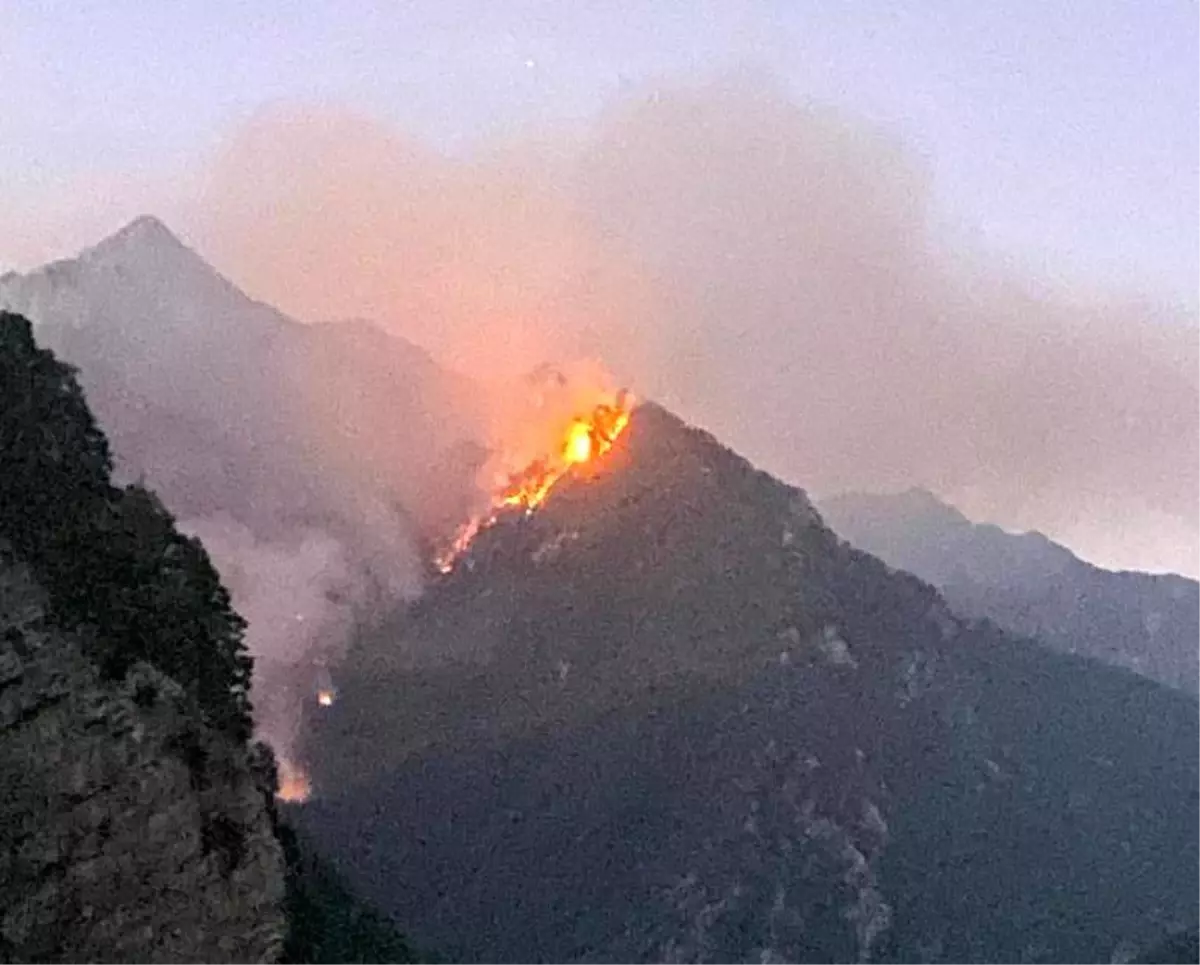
x=578 y=447
x=583 y=440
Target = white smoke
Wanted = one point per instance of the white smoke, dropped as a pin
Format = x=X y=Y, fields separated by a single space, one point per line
x=772 y=270
x=302 y=596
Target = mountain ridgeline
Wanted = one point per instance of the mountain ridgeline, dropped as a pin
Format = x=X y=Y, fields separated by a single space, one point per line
x=283 y=425
x=671 y=716
x=137 y=818
x=1031 y=586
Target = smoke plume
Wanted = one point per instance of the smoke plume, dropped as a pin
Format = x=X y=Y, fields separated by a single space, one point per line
x=767 y=268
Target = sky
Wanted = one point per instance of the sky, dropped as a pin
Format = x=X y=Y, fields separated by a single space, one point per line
x=1004 y=196
x=1064 y=135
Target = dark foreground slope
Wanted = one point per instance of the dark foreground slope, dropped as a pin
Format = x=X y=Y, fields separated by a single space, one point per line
x=326 y=922
x=136 y=815
x=1148 y=623
x=673 y=717
x=1179 y=947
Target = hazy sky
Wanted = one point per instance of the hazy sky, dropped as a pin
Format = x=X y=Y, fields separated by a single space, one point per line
x=1063 y=134
x=943 y=244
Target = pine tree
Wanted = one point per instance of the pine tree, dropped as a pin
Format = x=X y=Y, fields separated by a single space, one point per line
x=56 y=461
x=110 y=559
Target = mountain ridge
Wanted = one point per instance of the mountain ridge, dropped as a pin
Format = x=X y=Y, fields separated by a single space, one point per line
x=272 y=397
x=1030 y=585
x=673 y=716
x=313 y=463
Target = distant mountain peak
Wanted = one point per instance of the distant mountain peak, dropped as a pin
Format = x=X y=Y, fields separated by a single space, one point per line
x=147 y=225
x=145 y=233
x=930 y=503
x=140 y=282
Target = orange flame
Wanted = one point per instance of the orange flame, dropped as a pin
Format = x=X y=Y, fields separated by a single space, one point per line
x=294 y=784
x=325 y=698
x=583 y=440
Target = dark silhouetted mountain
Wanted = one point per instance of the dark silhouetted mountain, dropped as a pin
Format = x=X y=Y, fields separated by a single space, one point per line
x=671 y=716
x=1032 y=586
x=133 y=822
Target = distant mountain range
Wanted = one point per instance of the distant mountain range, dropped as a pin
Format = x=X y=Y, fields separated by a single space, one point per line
x=673 y=717
x=1032 y=586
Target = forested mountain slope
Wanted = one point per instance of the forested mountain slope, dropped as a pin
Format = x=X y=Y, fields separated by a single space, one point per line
x=672 y=716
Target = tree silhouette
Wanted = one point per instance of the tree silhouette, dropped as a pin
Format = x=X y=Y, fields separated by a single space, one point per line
x=111 y=559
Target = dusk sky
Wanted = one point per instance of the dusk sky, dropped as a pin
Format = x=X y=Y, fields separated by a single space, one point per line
x=1061 y=135
x=988 y=209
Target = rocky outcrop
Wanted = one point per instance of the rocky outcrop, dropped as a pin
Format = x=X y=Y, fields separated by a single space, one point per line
x=129 y=831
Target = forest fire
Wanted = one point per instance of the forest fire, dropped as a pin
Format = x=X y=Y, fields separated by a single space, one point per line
x=294 y=784
x=583 y=440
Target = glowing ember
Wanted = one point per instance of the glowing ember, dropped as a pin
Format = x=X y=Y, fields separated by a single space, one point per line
x=325 y=698
x=294 y=784
x=584 y=439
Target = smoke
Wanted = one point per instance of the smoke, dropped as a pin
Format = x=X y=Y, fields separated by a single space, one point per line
x=770 y=270
x=309 y=460
x=487 y=266
x=299 y=598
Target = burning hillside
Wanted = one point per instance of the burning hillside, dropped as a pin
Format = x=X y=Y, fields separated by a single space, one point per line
x=577 y=440
x=710 y=730
x=572 y=424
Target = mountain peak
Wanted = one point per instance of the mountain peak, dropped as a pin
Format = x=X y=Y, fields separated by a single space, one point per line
x=144 y=233
x=141 y=279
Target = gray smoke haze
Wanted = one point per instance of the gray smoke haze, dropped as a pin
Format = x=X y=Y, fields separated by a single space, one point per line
x=307 y=459
x=768 y=269
x=298 y=597
x=304 y=594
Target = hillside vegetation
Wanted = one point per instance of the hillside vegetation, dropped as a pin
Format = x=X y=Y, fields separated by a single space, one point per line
x=136 y=815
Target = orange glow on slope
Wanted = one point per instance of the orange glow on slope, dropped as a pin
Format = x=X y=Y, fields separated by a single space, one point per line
x=325 y=698
x=294 y=784
x=582 y=440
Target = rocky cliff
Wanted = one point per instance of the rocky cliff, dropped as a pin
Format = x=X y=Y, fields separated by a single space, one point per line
x=128 y=831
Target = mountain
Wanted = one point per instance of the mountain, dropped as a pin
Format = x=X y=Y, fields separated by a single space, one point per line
x=113 y=847
x=671 y=716
x=137 y=819
x=1031 y=586
x=228 y=407
x=315 y=461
